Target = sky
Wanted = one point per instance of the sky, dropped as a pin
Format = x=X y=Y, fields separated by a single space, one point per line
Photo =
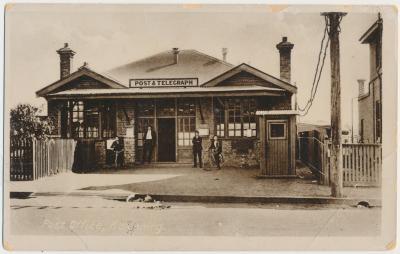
x=107 y=36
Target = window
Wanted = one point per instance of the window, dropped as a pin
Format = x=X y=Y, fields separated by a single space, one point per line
x=219 y=115
x=145 y=108
x=186 y=107
x=186 y=128
x=145 y=112
x=142 y=125
x=91 y=121
x=166 y=107
x=108 y=120
x=241 y=118
x=249 y=118
x=77 y=121
x=83 y=120
x=186 y=121
x=277 y=130
x=378 y=121
x=234 y=118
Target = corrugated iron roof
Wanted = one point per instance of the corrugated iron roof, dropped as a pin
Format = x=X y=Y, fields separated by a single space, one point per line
x=191 y=63
x=169 y=90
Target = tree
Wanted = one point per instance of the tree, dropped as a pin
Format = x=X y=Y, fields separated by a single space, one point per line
x=26 y=123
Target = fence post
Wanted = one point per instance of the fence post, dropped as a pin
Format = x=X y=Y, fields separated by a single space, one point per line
x=34 y=167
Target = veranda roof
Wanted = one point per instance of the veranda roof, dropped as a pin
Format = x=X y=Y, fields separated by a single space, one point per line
x=169 y=92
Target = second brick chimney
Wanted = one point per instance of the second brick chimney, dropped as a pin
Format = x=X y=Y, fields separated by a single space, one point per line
x=285 y=49
x=175 y=51
x=66 y=55
x=224 y=54
x=361 y=87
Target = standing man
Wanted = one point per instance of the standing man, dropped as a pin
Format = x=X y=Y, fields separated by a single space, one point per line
x=149 y=142
x=197 y=149
x=216 y=150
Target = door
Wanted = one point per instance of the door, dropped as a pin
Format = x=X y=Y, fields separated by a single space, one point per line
x=84 y=156
x=277 y=147
x=166 y=139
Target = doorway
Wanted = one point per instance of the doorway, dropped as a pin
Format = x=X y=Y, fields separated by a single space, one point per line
x=166 y=139
x=277 y=147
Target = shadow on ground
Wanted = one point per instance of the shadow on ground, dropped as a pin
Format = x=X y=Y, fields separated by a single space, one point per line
x=225 y=182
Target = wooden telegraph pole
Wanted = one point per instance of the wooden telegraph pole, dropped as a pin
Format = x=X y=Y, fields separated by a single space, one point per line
x=334 y=19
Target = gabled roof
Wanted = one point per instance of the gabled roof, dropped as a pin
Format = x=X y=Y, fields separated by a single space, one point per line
x=82 y=71
x=214 y=75
x=191 y=63
x=372 y=32
x=249 y=69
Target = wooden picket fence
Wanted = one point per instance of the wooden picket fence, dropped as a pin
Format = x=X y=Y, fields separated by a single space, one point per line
x=21 y=159
x=362 y=163
x=32 y=159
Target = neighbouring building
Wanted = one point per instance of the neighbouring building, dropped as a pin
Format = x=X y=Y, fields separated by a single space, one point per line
x=178 y=92
x=312 y=139
x=370 y=93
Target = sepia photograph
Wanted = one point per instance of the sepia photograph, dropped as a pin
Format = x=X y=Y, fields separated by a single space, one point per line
x=199 y=127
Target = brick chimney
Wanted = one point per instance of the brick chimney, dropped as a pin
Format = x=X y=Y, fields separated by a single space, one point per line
x=175 y=51
x=285 y=49
x=224 y=54
x=361 y=87
x=66 y=55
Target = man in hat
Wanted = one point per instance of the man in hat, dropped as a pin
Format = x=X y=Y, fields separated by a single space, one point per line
x=149 y=143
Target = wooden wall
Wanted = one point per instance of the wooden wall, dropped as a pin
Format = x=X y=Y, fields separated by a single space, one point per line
x=281 y=162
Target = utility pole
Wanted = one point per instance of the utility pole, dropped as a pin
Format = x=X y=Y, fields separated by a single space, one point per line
x=334 y=19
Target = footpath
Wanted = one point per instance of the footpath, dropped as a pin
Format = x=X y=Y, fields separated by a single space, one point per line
x=186 y=184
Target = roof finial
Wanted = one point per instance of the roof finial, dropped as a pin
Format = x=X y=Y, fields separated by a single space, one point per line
x=85 y=65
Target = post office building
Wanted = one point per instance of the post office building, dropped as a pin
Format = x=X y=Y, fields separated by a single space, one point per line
x=177 y=92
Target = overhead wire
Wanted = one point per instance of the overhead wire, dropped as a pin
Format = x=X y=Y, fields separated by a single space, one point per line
x=319 y=67
x=319 y=75
x=316 y=69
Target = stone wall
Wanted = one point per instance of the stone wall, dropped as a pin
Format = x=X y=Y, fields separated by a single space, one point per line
x=275 y=103
x=237 y=152
x=129 y=152
x=100 y=151
x=204 y=109
x=125 y=129
x=125 y=117
x=242 y=153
